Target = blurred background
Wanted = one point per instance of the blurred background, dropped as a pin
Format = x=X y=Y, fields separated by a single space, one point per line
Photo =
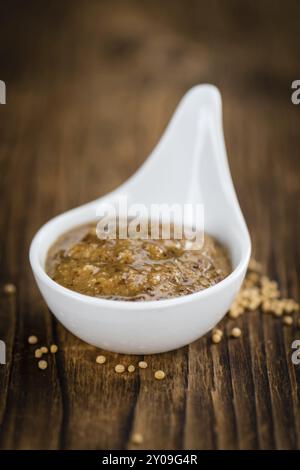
x=90 y=88
x=92 y=84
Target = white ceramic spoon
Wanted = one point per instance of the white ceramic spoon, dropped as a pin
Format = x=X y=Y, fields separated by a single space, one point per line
x=189 y=164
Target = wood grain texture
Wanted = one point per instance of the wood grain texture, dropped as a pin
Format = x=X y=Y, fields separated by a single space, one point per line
x=90 y=88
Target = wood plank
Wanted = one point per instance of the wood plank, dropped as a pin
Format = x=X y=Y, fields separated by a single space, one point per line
x=89 y=92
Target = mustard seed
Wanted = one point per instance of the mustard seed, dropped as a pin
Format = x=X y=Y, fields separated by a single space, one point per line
x=216 y=338
x=254 y=303
x=100 y=359
x=53 y=348
x=9 y=289
x=131 y=368
x=38 y=353
x=287 y=320
x=143 y=365
x=290 y=305
x=253 y=277
x=119 y=368
x=159 y=375
x=266 y=306
x=137 y=438
x=233 y=313
x=44 y=349
x=32 y=339
x=43 y=365
x=236 y=332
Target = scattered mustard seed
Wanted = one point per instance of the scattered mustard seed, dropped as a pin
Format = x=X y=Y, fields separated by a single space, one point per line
x=266 y=306
x=100 y=359
x=234 y=313
x=131 y=368
x=38 y=353
x=277 y=311
x=258 y=290
x=44 y=349
x=143 y=365
x=120 y=368
x=137 y=438
x=32 y=339
x=9 y=289
x=287 y=320
x=216 y=338
x=43 y=365
x=53 y=348
x=290 y=305
x=236 y=332
x=159 y=375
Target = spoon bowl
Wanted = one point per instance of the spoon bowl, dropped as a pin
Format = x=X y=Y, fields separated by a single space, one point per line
x=189 y=164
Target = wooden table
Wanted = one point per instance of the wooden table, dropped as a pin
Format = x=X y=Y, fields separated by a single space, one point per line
x=90 y=88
